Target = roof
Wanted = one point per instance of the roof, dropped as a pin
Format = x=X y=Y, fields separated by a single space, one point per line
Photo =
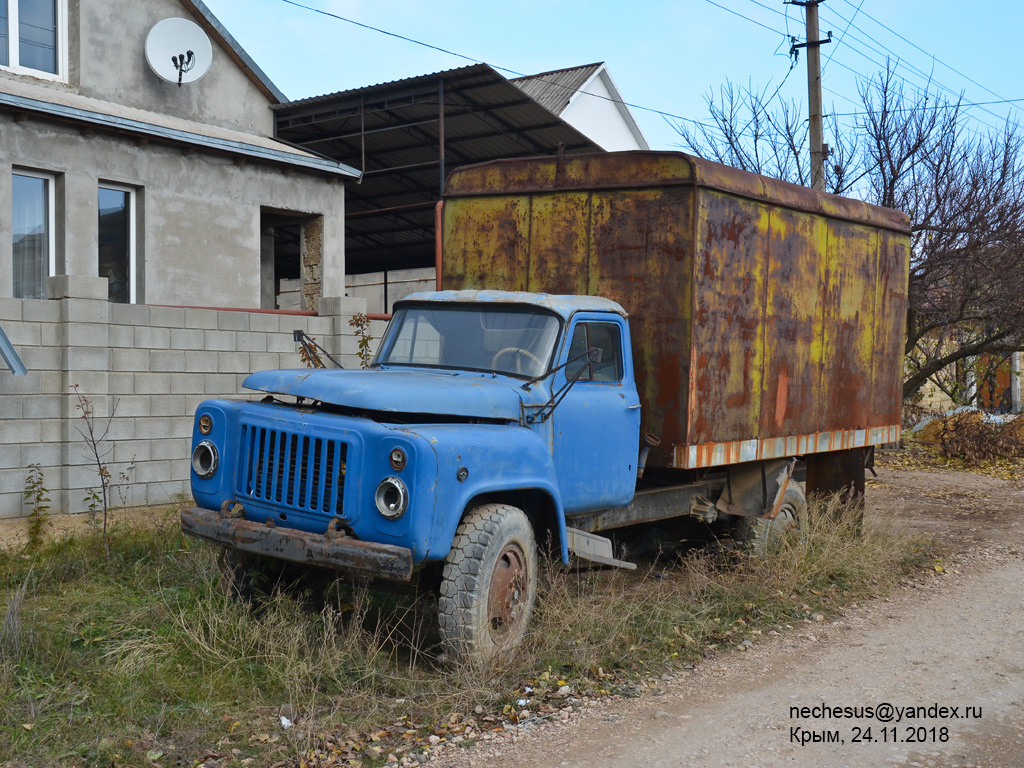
x=554 y=90
x=212 y=26
x=395 y=131
x=563 y=305
x=27 y=98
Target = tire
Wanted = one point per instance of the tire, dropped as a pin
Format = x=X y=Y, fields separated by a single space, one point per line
x=759 y=536
x=489 y=583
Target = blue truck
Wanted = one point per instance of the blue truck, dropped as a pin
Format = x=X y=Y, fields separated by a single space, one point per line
x=492 y=423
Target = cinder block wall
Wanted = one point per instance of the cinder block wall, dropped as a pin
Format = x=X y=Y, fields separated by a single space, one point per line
x=148 y=366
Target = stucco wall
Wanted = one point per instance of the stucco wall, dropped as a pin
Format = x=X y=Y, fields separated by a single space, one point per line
x=151 y=366
x=592 y=112
x=107 y=60
x=198 y=214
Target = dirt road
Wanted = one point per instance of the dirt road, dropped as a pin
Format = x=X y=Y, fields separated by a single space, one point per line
x=953 y=639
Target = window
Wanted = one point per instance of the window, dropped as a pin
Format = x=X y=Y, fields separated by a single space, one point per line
x=117 y=242
x=604 y=336
x=32 y=227
x=33 y=36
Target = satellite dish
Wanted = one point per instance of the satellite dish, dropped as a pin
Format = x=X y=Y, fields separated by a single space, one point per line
x=178 y=51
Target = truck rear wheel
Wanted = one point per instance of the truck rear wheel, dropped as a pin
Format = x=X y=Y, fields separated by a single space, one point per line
x=760 y=536
x=489 y=583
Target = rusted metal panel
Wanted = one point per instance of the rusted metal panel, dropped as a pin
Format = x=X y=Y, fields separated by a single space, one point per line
x=767 y=318
x=365 y=558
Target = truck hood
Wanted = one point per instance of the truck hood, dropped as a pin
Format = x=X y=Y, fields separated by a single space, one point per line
x=454 y=393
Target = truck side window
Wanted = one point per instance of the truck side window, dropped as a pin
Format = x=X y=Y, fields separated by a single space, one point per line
x=604 y=336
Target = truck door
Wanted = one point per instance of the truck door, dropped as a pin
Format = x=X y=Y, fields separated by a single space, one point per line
x=597 y=426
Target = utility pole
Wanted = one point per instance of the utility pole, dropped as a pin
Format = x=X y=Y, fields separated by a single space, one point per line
x=813 y=44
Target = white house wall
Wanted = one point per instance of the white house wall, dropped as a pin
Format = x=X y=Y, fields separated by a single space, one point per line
x=593 y=113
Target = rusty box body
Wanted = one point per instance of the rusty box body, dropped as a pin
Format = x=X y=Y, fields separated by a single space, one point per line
x=768 y=319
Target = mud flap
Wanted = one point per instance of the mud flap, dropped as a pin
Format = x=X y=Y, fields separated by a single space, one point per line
x=756 y=489
x=597 y=549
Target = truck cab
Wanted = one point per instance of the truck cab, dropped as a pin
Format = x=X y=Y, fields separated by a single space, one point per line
x=485 y=419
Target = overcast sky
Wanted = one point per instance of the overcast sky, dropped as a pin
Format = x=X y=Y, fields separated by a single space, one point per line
x=664 y=55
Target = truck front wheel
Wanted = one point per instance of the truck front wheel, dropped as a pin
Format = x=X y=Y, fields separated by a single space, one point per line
x=489 y=583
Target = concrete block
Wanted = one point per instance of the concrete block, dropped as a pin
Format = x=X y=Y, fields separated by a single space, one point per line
x=84 y=311
x=121 y=384
x=129 y=314
x=132 y=406
x=87 y=334
x=11 y=309
x=51 y=430
x=22 y=334
x=220 y=384
x=187 y=384
x=90 y=383
x=153 y=338
x=18 y=431
x=153 y=471
x=201 y=362
x=122 y=428
x=168 y=360
x=221 y=341
x=49 y=383
x=263 y=322
x=178 y=449
x=11 y=406
x=252 y=342
x=43 y=454
x=270 y=361
x=167 y=405
x=342 y=305
x=77 y=287
x=281 y=342
x=192 y=403
x=167 y=317
x=182 y=427
x=10 y=457
x=187 y=338
x=166 y=493
x=12 y=481
x=121 y=335
x=86 y=359
x=123 y=360
x=29 y=384
x=152 y=384
x=201 y=318
x=320 y=327
x=233 y=321
x=41 y=311
x=128 y=451
x=42 y=407
x=51 y=334
x=233 y=362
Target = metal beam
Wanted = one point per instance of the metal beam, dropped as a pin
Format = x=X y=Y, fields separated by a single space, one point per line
x=10 y=355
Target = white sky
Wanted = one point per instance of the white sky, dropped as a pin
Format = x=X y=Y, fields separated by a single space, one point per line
x=662 y=54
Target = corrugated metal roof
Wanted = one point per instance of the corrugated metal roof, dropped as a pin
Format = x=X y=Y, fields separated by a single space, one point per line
x=554 y=89
x=64 y=105
x=393 y=131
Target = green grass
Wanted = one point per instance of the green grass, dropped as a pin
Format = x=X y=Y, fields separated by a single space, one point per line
x=139 y=658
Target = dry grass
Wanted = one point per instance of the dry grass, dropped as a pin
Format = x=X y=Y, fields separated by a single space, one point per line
x=116 y=660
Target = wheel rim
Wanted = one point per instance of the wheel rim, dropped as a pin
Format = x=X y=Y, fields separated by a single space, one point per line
x=507 y=593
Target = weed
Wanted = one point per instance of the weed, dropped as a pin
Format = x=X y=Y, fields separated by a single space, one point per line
x=360 y=325
x=37 y=497
x=968 y=436
x=94 y=432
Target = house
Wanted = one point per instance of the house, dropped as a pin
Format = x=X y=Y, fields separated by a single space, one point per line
x=144 y=200
x=176 y=193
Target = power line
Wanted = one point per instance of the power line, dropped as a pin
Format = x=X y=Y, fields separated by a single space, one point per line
x=841 y=39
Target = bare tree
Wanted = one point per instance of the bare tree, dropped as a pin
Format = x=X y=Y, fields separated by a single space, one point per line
x=914 y=151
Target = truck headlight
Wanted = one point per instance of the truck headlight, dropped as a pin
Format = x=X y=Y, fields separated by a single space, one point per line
x=392 y=498
x=205 y=459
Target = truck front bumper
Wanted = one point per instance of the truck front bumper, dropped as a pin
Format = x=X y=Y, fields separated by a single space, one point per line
x=365 y=558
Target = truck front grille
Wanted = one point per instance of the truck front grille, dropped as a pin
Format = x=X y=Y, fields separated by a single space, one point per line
x=291 y=470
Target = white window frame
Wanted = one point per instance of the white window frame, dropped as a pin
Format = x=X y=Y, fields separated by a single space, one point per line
x=132 y=233
x=14 y=44
x=51 y=212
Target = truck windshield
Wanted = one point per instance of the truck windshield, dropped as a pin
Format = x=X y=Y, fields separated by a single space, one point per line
x=513 y=340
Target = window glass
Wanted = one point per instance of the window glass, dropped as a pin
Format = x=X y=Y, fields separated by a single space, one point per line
x=115 y=245
x=604 y=336
x=4 y=58
x=37 y=34
x=30 y=228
